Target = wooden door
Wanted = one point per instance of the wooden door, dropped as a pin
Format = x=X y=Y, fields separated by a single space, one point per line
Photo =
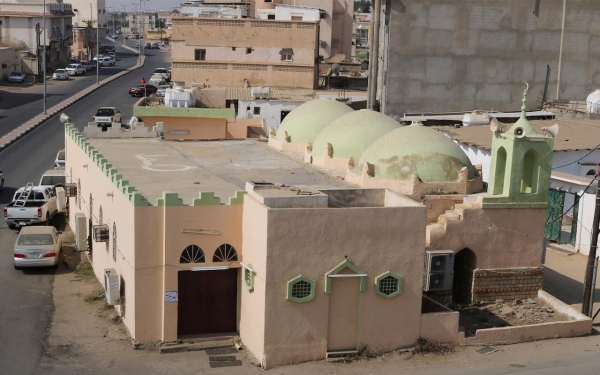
x=207 y=302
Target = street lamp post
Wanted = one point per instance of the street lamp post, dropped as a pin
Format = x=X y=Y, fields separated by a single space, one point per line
x=124 y=15
x=97 y=44
x=44 y=53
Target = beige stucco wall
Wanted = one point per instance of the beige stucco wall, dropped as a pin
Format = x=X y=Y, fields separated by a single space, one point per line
x=311 y=242
x=238 y=128
x=263 y=67
x=440 y=326
x=252 y=317
x=10 y=57
x=116 y=209
x=517 y=234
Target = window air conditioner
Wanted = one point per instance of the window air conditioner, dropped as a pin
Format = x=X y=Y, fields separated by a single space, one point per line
x=111 y=286
x=439 y=270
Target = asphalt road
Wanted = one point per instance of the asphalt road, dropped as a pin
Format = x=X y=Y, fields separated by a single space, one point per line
x=26 y=296
x=20 y=102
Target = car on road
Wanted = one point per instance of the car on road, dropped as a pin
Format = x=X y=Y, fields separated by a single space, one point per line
x=16 y=77
x=157 y=80
x=107 y=116
x=103 y=61
x=88 y=65
x=108 y=61
x=60 y=74
x=162 y=90
x=161 y=72
x=155 y=45
x=112 y=54
x=75 y=69
x=37 y=247
x=148 y=45
x=31 y=205
x=59 y=162
x=141 y=90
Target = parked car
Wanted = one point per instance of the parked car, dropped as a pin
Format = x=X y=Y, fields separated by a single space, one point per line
x=60 y=74
x=162 y=90
x=54 y=177
x=88 y=65
x=59 y=162
x=157 y=80
x=148 y=45
x=16 y=77
x=108 y=61
x=107 y=115
x=31 y=205
x=161 y=72
x=141 y=90
x=37 y=247
x=113 y=55
x=107 y=48
x=155 y=45
x=75 y=69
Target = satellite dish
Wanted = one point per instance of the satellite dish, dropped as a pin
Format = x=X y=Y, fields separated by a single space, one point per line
x=497 y=126
x=519 y=132
x=551 y=130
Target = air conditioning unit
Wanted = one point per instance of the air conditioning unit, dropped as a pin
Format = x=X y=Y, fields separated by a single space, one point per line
x=111 y=285
x=439 y=270
x=260 y=92
x=61 y=199
x=81 y=232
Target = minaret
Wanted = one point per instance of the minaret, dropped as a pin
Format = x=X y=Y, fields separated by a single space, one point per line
x=521 y=166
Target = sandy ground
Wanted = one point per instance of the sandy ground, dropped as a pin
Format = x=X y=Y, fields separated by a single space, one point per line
x=84 y=340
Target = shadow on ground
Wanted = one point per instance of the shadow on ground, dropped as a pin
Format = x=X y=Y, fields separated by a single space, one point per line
x=15 y=99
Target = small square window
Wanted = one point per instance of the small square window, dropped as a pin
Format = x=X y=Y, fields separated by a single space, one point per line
x=287 y=57
x=248 y=108
x=296 y=18
x=233 y=48
x=335 y=44
x=336 y=16
x=249 y=51
x=4 y=66
x=388 y=285
x=270 y=16
x=257 y=110
x=200 y=54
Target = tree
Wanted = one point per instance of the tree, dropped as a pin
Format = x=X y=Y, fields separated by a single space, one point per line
x=362 y=6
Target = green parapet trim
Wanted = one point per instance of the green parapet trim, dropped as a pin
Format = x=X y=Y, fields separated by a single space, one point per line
x=169 y=199
x=290 y=286
x=207 y=198
x=129 y=189
x=116 y=178
x=493 y=202
x=137 y=199
x=379 y=285
x=93 y=155
x=101 y=163
x=106 y=167
x=238 y=198
x=110 y=172
x=122 y=185
x=249 y=277
x=222 y=113
x=346 y=264
x=97 y=158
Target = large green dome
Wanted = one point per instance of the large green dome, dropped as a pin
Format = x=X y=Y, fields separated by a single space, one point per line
x=306 y=122
x=350 y=134
x=416 y=149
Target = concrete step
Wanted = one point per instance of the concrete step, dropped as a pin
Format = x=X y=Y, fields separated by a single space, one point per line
x=191 y=347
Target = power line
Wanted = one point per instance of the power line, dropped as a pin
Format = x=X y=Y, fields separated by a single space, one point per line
x=581 y=158
x=576 y=201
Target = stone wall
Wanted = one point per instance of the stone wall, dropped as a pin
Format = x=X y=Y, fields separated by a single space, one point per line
x=448 y=55
x=508 y=284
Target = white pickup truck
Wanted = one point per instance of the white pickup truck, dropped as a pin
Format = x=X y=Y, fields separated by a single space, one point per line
x=105 y=116
x=31 y=205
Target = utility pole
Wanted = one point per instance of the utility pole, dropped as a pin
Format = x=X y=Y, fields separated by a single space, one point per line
x=374 y=55
x=98 y=46
x=589 y=273
x=44 y=53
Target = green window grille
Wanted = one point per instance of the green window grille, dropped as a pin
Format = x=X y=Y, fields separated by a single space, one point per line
x=249 y=277
x=388 y=285
x=300 y=289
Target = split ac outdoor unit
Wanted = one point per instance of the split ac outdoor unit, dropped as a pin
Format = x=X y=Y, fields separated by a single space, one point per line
x=111 y=285
x=439 y=270
x=81 y=232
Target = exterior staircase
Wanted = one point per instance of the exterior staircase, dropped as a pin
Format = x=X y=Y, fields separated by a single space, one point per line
x=450 y=217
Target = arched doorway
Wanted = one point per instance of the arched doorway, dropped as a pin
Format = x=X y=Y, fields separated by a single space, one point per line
x=465 y=263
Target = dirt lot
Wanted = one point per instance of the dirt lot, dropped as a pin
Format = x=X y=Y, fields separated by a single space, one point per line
x=504 y=313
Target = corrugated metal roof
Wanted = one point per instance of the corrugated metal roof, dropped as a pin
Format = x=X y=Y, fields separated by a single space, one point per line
x=572 y=134
x=277 y=94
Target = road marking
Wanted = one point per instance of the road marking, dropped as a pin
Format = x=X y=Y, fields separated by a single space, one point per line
x=148 y=160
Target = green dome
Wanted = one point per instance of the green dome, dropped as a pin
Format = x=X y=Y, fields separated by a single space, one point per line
x=305 y=122
x=353 y=132
x=416 y=149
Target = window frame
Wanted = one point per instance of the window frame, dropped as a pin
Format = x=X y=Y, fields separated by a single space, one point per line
x=290 y=286
x=383 y=276
x=256 y=111
x=200 y=54
x=287 y=57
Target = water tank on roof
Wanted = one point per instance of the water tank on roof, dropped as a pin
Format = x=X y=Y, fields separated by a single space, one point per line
x=593 y=102
x=476 y=118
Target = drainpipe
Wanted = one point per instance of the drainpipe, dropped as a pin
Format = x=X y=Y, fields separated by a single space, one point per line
x=562 y=34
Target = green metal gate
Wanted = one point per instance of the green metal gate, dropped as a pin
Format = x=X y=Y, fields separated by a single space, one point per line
x=575 y=216
x=556 y=202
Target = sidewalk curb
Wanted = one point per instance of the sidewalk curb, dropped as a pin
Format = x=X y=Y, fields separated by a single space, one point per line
x=38 y=120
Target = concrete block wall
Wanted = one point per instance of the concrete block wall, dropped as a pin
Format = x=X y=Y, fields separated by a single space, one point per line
x=507 y=284
x=448 y=55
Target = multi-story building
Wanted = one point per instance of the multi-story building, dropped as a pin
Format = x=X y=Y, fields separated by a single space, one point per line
x=94 y=11
x=23 y=23
x=244 y=52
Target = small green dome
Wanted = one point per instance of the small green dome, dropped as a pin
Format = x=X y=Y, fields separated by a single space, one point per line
x=416 y=149
x=305 y=122
x=350 y=134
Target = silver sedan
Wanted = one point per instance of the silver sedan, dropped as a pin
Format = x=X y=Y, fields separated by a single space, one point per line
x=37 y=246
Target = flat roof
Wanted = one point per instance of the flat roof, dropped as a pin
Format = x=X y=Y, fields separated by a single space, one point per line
x=572 y=134
x=223 y=167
